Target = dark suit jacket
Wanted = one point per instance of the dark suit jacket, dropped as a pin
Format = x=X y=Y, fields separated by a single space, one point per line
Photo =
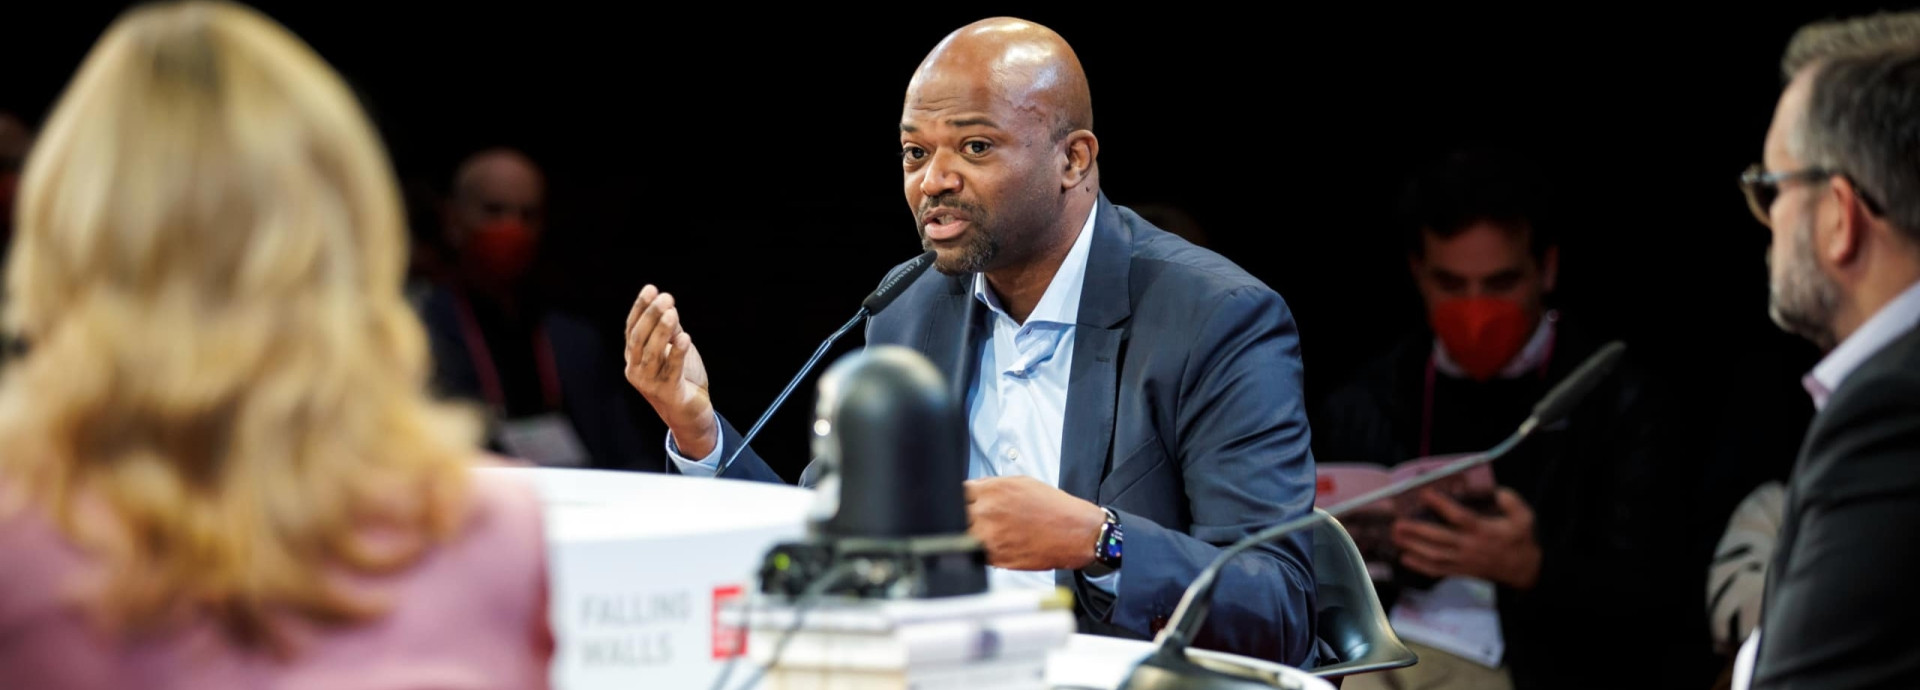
x=593 y=390
x=1842 y=608
x=1184 y=415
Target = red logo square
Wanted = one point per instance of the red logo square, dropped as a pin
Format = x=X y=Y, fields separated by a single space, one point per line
x=728 y=640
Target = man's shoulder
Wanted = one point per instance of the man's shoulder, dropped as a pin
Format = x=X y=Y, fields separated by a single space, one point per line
x=1166 y=267
x=1865 y=438
x=1894 y=362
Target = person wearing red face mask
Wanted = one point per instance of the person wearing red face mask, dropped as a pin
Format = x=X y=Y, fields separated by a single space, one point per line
x=550 y=387
x=1516 y=587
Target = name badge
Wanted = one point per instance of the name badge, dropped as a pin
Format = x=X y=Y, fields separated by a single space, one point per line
x=547 y=439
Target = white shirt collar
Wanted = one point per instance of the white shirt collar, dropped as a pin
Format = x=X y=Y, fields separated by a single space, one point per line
x=1061 y=302
x=1884 y=327
x=1530 y=357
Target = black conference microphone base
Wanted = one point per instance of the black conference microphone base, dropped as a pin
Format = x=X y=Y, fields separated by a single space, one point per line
x=894 y=568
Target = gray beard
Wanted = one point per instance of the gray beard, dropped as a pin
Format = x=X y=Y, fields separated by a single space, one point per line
x=1800 y=299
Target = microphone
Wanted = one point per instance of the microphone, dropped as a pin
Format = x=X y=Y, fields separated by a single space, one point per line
x=890 y=288
x=896 y=282
x=1168 y=667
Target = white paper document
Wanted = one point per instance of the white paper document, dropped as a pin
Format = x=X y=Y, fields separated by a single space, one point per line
x=1456 y=616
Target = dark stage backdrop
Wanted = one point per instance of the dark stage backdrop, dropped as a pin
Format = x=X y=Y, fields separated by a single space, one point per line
x=746 y=160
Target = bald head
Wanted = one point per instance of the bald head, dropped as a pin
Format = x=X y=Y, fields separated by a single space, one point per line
x=498 y=204
x=497 y=168
x=1020 y=63
x=997 y=147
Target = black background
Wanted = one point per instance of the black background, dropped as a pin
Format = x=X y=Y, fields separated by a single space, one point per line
x=746 y=159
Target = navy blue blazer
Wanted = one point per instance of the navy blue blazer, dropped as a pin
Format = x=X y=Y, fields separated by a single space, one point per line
x=1185 y=415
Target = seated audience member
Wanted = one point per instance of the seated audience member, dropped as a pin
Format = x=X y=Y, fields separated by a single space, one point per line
x=221 y=465
x=551 y=388
x=1568 y=556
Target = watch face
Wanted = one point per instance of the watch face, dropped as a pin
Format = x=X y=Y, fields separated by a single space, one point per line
x=1107 y=551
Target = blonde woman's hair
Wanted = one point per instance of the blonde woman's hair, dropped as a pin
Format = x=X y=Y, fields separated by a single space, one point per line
x=223 y=391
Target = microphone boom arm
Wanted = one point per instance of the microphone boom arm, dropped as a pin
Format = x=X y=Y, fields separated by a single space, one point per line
x=797 y=378
x=890 y=289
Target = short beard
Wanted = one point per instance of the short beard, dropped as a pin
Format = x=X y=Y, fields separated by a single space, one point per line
x=976 y=253
x=1800 y=299
x=978 y=248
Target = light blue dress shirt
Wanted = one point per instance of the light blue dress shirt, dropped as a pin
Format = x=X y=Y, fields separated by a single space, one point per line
x=1017 y=406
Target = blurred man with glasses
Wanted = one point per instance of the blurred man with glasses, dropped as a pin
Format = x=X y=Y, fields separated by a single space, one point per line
x=1738 y=574
x=1839 y=187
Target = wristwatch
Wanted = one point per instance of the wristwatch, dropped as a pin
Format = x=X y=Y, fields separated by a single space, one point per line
x=1106 y=549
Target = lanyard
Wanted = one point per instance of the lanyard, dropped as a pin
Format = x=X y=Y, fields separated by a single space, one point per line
x=1426 y=398
x=483 y=364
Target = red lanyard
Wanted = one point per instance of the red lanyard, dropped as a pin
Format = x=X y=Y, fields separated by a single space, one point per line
x=483 y=365
x=1426 y=398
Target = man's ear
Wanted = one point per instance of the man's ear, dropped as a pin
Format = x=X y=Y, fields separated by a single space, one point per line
x=1077 y=156
x=1840 y=244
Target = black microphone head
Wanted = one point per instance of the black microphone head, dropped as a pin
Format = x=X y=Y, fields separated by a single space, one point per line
x=895 y=445
x=896 y=282
x=1577 y=385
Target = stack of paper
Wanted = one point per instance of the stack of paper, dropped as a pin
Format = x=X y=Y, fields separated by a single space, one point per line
x=990 y=641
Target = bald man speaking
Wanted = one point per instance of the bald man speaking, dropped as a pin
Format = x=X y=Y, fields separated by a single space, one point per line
x=1127 y=392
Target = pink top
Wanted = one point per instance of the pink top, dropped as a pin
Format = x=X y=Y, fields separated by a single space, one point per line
x=471 y=614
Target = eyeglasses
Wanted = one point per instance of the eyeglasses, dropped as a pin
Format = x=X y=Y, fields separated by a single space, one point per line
x=1763 y=187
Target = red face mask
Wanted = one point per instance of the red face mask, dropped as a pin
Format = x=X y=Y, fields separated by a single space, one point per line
x=1482 y=334
x=501 y=251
